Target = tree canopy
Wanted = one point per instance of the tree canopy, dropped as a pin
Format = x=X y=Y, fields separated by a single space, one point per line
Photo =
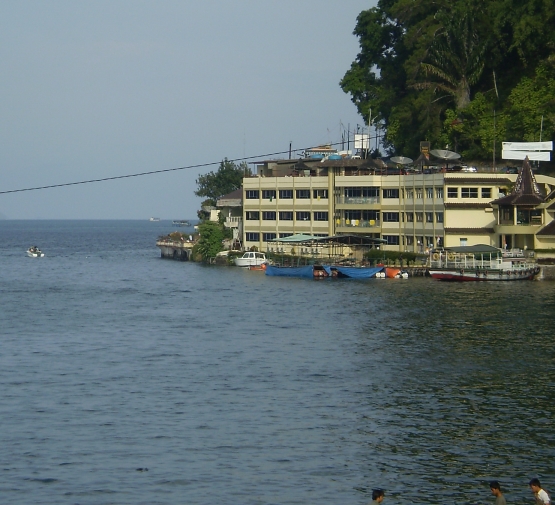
x=441 y=70
x=226 y=179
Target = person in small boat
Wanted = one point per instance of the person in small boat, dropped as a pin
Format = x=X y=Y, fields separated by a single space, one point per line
x=496 y=491
x=541 y=496
x=377 y=496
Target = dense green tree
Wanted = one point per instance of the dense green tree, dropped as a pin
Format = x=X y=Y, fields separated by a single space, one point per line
x=210 y=240
x=226 y=179
x=437 y=70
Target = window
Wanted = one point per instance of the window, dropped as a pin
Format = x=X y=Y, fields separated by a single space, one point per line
x=252 y=237
x=319 y=193
x=430 y=193
x=439 y=217
x=283 y=235
x=353 y=192
x=391 y=239
x=419 y=194
x=252 y=215
x=303 y=193
x=469 y=192
x=409 y=217
x=286 y=216
x=439 y=193
x=303 y=216
x=429 y=217
x=486 y=192
x=452 y=192
x=320 y=216
x=252 y=194
x=390 y=217
x=268 y=236
x=409 y=240
x=371 y=215
x=269 y=215
x=391 y=193
x=268 y=194
x=352 y=214
x=419 y=217
x=410 y=194
x=371 y=192
x=286 y=194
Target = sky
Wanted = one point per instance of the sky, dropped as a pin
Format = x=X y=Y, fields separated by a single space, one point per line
x=101 y=89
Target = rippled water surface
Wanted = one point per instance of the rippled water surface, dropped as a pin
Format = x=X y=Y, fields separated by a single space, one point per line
x=231 y=387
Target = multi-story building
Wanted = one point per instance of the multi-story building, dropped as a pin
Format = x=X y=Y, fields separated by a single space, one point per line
x=410 y=211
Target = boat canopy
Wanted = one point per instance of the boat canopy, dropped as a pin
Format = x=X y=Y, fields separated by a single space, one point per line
x=474 y=249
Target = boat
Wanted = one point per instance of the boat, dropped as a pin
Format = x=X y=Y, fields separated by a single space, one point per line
x=181 y=222
x=323 y=271
x=479 y=263
x=250 y=258
x=34 y=252
x=154 y=219
x=258 y=268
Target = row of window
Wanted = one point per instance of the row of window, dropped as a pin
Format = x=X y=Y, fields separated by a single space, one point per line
x=254 y=215
x=351 y=215
x=370 y=192
x=468 y=192
x=285 y=194
x=393 y=217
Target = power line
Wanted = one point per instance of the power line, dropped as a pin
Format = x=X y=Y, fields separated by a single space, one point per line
x=151 y=172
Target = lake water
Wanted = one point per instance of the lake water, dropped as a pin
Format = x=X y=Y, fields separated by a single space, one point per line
x=236 y=388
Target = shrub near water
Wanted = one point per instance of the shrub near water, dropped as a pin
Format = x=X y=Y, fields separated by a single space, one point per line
x=391 y=257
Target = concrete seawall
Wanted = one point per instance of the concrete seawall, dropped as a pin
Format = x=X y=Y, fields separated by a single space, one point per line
x=175 y=250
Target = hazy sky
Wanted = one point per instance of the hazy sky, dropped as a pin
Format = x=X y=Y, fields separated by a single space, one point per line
x=98 y=89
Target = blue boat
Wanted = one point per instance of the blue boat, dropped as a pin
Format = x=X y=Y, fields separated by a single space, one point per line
x=323 y=271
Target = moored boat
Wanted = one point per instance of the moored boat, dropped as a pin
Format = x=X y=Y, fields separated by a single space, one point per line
x=323 y=271
x=479 y=263
x=34 y=252
x=250 y=258
x=181 y=222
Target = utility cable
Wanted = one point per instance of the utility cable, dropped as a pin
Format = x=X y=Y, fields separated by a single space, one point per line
x=152 y=172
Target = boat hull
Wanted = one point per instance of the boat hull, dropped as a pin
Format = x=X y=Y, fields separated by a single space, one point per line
x=323 y=272
x=483 y=275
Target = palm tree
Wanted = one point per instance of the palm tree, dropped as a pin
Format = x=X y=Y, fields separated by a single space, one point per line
x=455 y=60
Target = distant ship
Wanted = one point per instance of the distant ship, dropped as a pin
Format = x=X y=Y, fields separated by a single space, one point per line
x=181 y=222
x=154 y=219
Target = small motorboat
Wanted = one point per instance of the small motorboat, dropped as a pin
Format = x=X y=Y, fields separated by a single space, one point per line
x=34 y=252
x=250 y=258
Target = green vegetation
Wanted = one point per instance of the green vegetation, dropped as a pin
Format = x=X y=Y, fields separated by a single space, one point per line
x=214 y=185
x=210 y=241
x=388 y=258
x=459 y=73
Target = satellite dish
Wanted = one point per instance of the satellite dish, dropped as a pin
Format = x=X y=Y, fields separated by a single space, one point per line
x=444 y=154
x=401 y=160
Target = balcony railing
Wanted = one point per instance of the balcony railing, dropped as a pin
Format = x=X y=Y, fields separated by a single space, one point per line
x=359 y=223
x=233 y=221
x=358 y=199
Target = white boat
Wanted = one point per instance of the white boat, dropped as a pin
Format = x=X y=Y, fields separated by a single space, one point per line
x=34 y=252
x=479 y=263
x=181 y=222
x=154 y=219
x=250 y=258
